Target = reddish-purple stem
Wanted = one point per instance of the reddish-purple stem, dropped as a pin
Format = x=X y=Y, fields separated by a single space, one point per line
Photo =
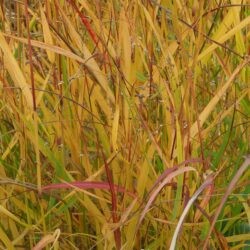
x=170 y=170
x=86 y=185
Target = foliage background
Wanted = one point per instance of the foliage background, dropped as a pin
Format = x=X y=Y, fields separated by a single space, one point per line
x=117 y=98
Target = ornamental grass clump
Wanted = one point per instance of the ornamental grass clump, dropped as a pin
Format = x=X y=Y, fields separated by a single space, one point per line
x=124 y=124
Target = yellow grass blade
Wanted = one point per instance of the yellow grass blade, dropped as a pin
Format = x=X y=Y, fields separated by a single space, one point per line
x=210 y=107
x=47 y=35
x=37 y=151
x=239 y=37
x=151 y=24
x=48 y=47
x=90 y=61
x=115 y=128
x=15 y=72
x=13 y=142
x=240 y=237
x=180 y=178
x=5 y=239
x=11 y=216
x=225 y=37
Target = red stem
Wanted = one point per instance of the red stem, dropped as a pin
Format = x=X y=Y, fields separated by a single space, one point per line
x=85 y=22
x=117 y=232
x=30 y=56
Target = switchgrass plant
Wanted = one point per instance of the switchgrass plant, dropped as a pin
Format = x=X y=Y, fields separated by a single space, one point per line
x=124 y=124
